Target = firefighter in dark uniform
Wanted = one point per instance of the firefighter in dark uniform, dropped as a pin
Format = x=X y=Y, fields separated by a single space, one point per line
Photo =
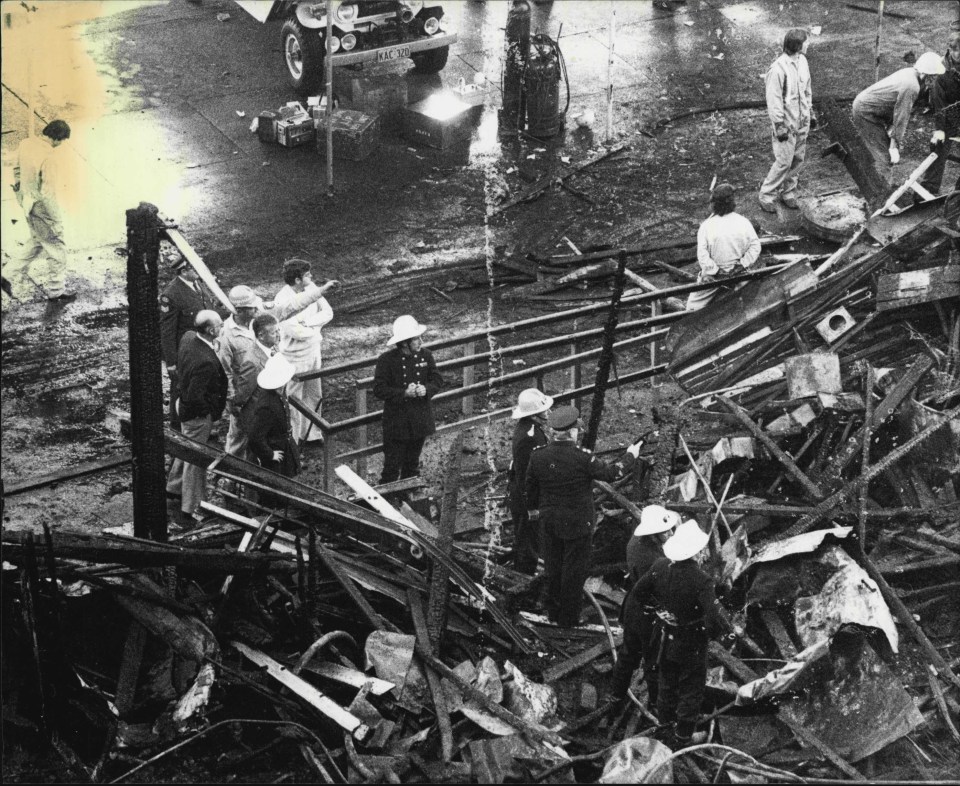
x=406 y=378
x=639 y=641
x=180 y=302
x=688 y=615
x=528 y=434
x=559 y=490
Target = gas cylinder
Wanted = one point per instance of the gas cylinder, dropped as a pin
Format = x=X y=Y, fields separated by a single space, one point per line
x=515 y=63
x=545 y=69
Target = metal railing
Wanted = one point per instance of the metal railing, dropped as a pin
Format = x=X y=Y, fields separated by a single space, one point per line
x=573 y=363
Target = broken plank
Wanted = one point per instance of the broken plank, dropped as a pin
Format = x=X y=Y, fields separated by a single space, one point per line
x=377 y=621
x=578 y=661
x=69 y=473
x=440 y=704
x=305 y=691
x=669 y=303
x=545 y=182
x=899 y=290
x=348 y=676
x=778 y=631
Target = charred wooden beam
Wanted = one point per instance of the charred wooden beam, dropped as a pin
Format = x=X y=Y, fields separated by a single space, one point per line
x=439 y=597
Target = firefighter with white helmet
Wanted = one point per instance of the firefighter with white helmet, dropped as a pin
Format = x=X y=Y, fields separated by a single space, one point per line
x=406 y=379
x=528 y=434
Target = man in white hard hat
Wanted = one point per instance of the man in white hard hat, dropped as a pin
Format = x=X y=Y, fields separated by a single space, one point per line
x=528 y=434
x=271 y=439
x=405 y=379
x=688 y=615
x=881 y=112
x=944 y=100
x=639 y=619
x=236 y=342
x=559 y=494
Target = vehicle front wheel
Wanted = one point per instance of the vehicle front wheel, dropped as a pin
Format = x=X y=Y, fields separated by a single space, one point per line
x=430 y=62
x=303 y=55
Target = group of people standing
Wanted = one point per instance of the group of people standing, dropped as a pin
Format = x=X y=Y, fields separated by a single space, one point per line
x=727 y=243
x=249 y=366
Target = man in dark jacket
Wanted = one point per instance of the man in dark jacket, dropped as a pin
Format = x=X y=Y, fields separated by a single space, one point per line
x=180 y=302
x=639 y=639
x=559 y=489
x=944 y=93
x=688 y=615
x=528 y=434
x=270 y=438
x=406 y=379
x=203 y=395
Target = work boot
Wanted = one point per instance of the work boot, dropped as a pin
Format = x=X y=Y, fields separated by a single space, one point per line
x=790 y=201
x=767 y=206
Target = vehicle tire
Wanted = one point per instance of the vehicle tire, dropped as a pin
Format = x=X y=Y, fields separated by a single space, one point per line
x=430 y=62
x=303 y=56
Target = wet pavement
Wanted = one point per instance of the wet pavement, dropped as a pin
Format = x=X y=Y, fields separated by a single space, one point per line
x=160 y=96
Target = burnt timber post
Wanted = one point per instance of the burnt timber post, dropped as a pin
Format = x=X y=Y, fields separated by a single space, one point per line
x=146 y=388
x=439 y=597
x=852 y=152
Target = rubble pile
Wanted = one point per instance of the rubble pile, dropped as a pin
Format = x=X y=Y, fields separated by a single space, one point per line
x=308 y=636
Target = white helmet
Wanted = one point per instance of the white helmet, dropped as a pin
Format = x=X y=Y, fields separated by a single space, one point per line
x=405 y=328
x=276 y=373
x=930 y=63
x=656 y=518
x=687 y=541
x=531 y=402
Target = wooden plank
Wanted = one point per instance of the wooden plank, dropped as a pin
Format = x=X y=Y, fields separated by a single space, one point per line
x=669 y=303
x=440 y=705
x=899 y=290
x=305 y=691
x=197 y=263
x=578 y=661
x=779 y=633
x=348 y=676
x=439 y=597
x=69 y=473
x=375 y=620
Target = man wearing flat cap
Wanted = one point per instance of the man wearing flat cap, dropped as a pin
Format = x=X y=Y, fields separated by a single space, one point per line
x=727 y=245
x=237 y=342
x=180 y=302
x=559 y=492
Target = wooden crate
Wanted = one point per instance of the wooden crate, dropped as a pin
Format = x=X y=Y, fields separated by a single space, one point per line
x=355 y=134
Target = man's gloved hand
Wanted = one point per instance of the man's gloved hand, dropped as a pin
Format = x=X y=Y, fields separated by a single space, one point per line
x=411 y=391
x=634 y=449
x=938 y=138
x=278 y=455
x=782 y=132
x=894 y=152
x=533 y=515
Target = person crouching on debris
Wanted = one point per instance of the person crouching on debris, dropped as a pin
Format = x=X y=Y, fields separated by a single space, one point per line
x=727 y=245
x=406 y=379
x=881 y=112
x=688 y=615
x=271 y=439
x=790 y=107
x=639 y=618
x=559 y=494
x=531 y=416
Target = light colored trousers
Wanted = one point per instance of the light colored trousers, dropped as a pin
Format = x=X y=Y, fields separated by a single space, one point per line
x=310 y=392
x=788 y=157
x=43 y=259
x=189 y=480
x=237 y=439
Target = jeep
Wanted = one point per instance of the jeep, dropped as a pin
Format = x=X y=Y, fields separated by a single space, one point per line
x=364 y=31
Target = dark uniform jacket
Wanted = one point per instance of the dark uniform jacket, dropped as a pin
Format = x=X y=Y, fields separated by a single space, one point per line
x=642 y=553
x=560 y=485
x=945 y=91
x=406 y=418
x=527 y=436
x=683 y=590
x=179 y=305
x=269 y=430
x=203 y=380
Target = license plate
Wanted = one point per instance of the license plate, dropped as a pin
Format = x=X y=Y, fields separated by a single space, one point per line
x=393 y=53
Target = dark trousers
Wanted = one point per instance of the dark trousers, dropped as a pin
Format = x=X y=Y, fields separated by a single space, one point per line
x=933 y=177
x=174 y=395
x=401 y=459
x=683 y=679
x=565 y=567
x=526 y=543
x=640 y=643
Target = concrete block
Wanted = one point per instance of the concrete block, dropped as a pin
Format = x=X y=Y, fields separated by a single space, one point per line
x=835 y=324
x=808 y=375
